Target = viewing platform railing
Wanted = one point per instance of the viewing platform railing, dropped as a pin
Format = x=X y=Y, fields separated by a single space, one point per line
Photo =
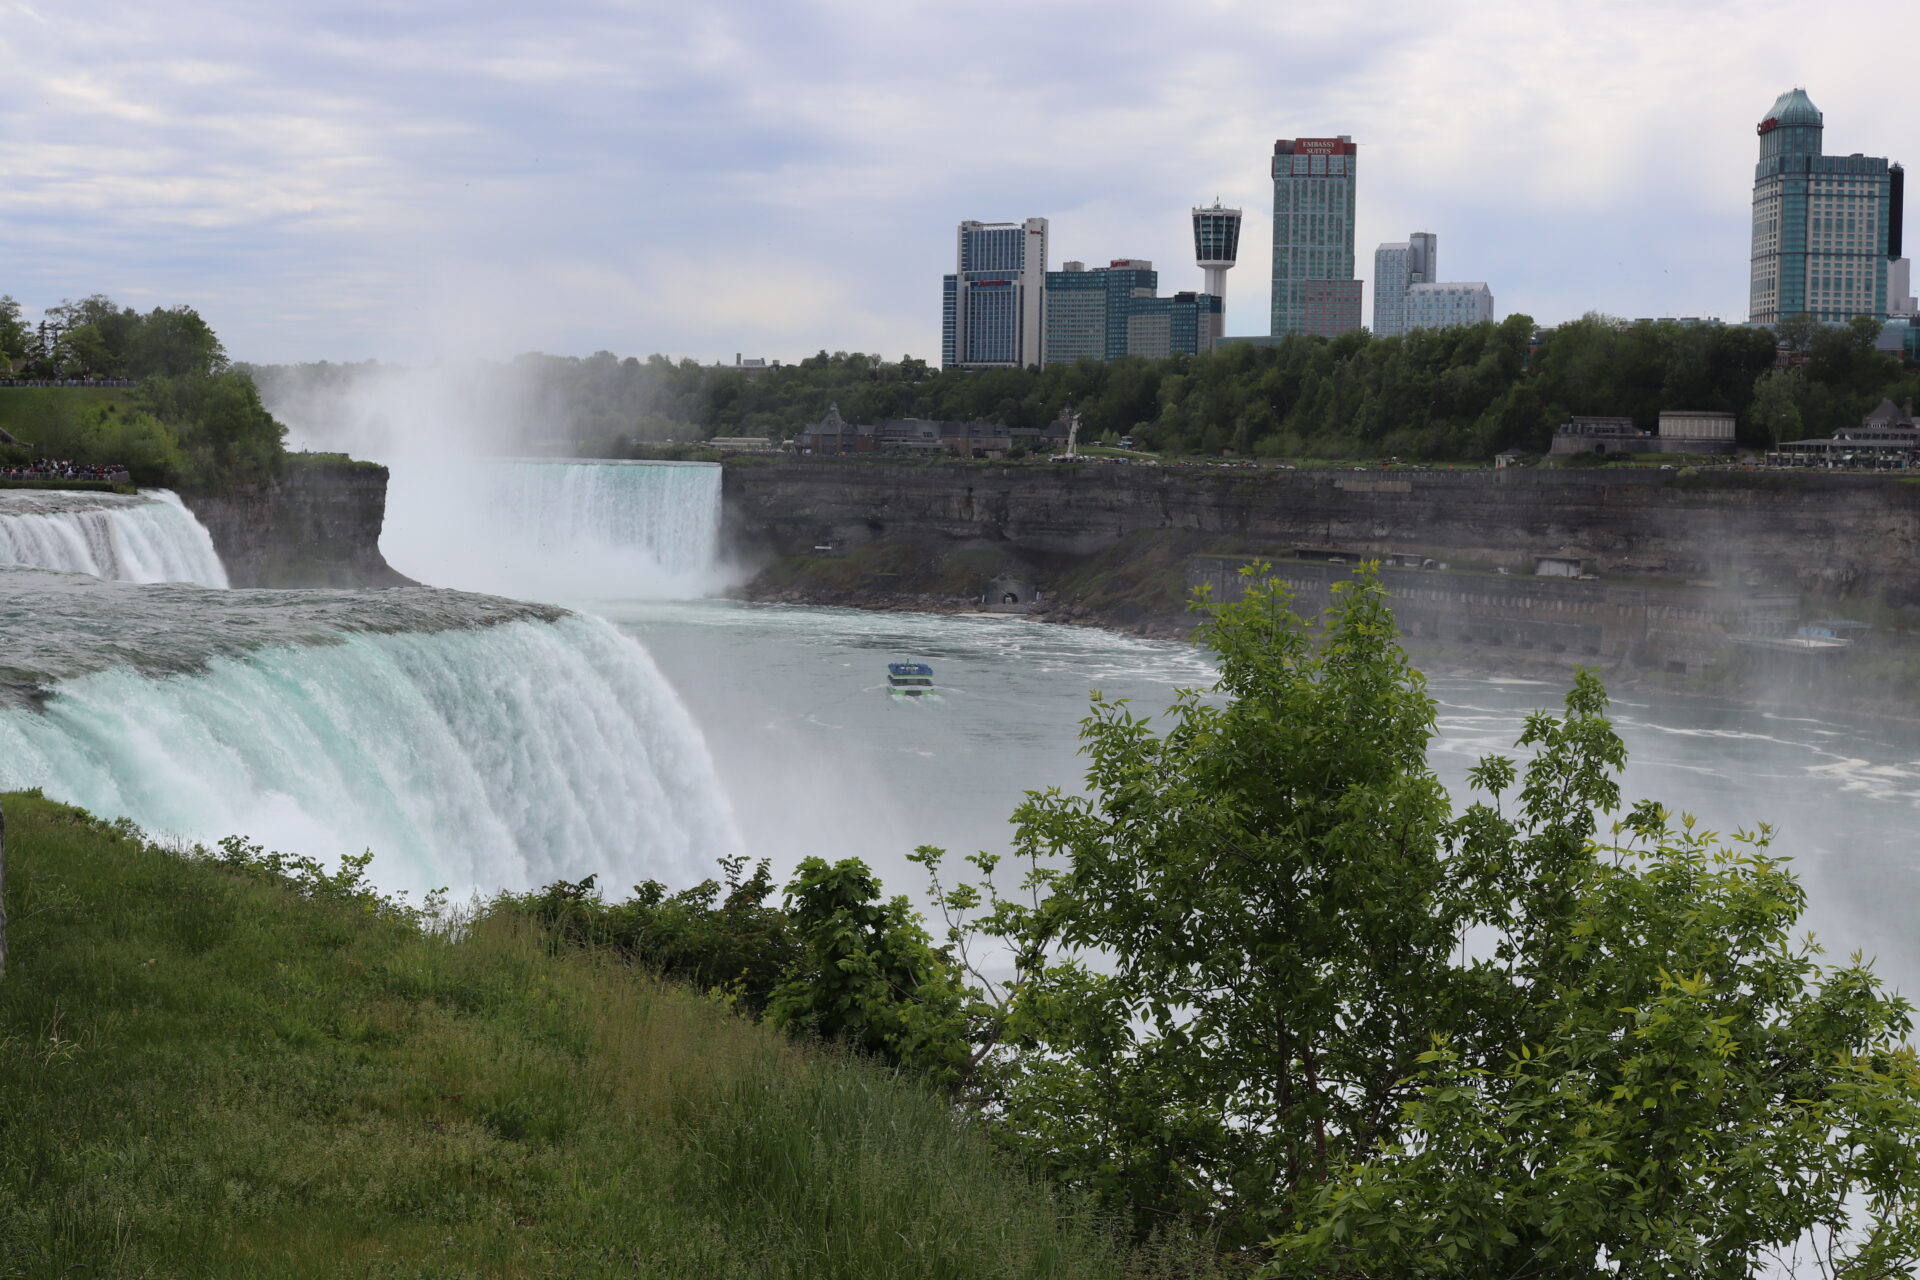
x=67 y=382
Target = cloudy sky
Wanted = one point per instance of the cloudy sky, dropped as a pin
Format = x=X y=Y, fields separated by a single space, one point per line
x=419 y=180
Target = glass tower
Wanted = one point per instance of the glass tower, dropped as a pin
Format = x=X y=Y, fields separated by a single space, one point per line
x=1112 y=311
x=991 y=307
x=1397 y=266
x=1313 y=204
x=1087 y=311
x=1824 y=227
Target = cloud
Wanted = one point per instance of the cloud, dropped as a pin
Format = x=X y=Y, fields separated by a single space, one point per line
x=345 y=180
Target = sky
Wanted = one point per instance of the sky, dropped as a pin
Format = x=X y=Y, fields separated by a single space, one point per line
x=432 y=181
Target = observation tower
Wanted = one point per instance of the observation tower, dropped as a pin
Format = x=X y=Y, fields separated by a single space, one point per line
x=1216 y=245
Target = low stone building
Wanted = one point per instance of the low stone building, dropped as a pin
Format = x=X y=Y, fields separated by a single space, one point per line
x=1600 y=435
x=834 y=434
x=1695 y=431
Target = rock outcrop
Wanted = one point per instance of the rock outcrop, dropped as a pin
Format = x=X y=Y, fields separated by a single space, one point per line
x=1835 y=536
x=317 y=524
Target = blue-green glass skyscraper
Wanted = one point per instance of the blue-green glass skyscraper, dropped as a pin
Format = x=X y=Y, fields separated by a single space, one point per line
x=1313 y=203
x=1824 y=227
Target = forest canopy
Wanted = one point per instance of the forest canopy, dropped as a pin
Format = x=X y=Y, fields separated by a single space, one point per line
x=190 y=420
x=1455 y=394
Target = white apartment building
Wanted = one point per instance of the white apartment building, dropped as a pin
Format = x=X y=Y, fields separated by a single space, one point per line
x=1440 y=306
x=1398 y=265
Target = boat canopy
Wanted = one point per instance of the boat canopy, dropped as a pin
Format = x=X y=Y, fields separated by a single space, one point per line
x=909 y=669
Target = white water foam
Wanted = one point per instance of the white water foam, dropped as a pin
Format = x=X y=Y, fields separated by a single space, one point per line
x=149 y=538
x=561 y=531
x=498 y=757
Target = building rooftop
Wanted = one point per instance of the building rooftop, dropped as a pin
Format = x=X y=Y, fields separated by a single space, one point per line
x=1794 y=107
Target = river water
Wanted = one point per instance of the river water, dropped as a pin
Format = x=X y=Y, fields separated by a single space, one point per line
x=482 y=744
x=817 y=758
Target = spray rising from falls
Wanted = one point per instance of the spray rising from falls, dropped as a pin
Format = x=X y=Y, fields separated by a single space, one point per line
x=123 y=538
x=570 y=531
x=469 y=742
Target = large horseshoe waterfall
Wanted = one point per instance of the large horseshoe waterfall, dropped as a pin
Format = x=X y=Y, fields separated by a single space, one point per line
x=557 y=530
x=148 y=538
x=468 y=741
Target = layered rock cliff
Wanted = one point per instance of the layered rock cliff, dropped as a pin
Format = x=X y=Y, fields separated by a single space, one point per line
x=1833 y=536
x=1696 y=581
x=317 y=524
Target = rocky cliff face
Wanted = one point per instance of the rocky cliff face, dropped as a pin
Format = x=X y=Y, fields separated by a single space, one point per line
x=1690 y=567
x=1838 y=537
x=316 y=525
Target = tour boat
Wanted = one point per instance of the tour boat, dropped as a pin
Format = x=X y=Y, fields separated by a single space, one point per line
x=909 y=679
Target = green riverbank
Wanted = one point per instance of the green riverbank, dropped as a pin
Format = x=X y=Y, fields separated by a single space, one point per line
x=208 y=1069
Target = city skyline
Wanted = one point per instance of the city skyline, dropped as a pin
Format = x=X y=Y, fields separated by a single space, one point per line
x=327 y=183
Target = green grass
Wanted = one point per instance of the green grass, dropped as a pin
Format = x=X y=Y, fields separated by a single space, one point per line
x=306 y=458
x=205 y=1073
x=30 y=412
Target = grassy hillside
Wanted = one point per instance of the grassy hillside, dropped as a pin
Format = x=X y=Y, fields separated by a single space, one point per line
x=205 y=1072
x=46 y=415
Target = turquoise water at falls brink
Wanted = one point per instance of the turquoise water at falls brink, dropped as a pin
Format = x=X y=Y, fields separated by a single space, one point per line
x=561 y=531
x=500 y=756
x=148 y=538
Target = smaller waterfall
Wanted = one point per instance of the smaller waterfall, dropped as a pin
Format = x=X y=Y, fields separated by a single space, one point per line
x=565 y=531
x=149 y=538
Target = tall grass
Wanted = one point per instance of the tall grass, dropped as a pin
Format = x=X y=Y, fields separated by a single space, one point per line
x=205 y=1073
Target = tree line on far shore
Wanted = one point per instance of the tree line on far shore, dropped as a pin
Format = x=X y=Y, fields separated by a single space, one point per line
x=1455 y=394
x=1459 y=393
x=191 y=421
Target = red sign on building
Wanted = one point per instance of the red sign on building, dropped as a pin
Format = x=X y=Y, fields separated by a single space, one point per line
x=1321 y=147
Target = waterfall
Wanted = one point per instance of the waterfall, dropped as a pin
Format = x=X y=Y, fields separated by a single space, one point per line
x=569 y=531
x=148 y=538
x=503 y=756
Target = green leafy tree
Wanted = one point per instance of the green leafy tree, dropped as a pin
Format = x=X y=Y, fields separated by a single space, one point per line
x=225 y=433
x=1797 y=331
x=174 y=342
x=1261 y=978
x=82 y=352
x=16 y=338
x=1776 y=404
x=1238 y=941
x=1663 y=1082
x=869 y=975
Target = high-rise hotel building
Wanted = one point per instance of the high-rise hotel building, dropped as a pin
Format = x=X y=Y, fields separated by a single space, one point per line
x=1825 y=228
x=1397 y=267
x=1115 y=311
x=1313 y=201
x=993 y=306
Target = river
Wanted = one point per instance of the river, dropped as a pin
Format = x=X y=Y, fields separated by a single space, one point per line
x=481 y=744
x=817 y=758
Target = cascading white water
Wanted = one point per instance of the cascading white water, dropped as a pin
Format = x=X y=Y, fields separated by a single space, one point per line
x=149 y=538
x=565 y=531
x=502 y=756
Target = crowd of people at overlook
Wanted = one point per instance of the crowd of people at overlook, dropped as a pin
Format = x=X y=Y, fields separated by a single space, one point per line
x=63 y=469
